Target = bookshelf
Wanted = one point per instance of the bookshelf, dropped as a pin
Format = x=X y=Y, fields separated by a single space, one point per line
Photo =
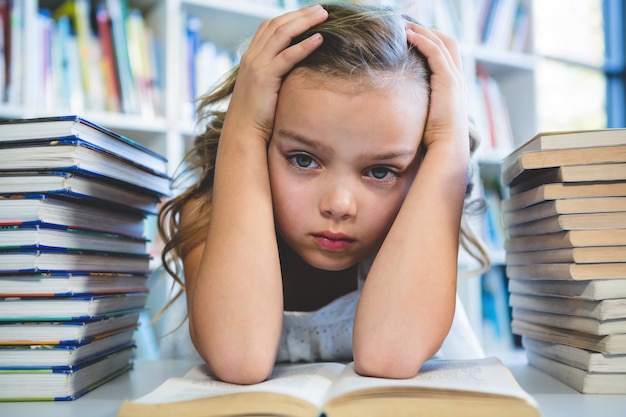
x=506 y=60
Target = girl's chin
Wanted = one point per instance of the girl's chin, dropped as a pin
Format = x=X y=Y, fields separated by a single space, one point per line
x=326 y=264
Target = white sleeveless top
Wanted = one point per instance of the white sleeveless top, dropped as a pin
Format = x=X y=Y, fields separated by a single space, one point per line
x=326 y=334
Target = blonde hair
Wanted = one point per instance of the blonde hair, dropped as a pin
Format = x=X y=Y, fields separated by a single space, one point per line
x=364 y=42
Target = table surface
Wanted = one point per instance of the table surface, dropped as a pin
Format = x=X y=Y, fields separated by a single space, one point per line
x=554 y=398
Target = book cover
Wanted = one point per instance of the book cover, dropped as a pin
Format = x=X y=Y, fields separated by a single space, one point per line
x=595 y=289
x=568 y=321
x=567 y=174
x=573 y=139
x=579 y=379
x=613 y=344
x=44 y=128
x=67 y=332
x=62 y=260
x=580 y=358
x=83 y=186
x=69 y=284
x=568 y=271
x=68 y=308
x=35 y=209
x=62 y=385
x=557 y=191
x=42 y=236
x=73 y=154
x=584 y=255
x=609 y=309
x=567 y=239
x=512 y=168
x=564 y=206
x=65 y=356
x=564 y=222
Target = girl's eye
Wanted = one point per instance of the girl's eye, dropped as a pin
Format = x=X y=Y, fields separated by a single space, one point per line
x=381 y=173
x=302 y=160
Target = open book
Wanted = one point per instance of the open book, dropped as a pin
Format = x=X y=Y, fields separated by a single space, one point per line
x=459 y=388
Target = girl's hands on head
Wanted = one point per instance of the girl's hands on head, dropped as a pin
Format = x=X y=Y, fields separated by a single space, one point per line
x=448 y=114
x=268 y=58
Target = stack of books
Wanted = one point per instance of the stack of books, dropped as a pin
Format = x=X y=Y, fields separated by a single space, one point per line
x=566 y=255
x=74 y=259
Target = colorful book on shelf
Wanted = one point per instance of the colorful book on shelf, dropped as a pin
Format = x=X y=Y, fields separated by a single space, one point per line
x=109 y=69
x=68 y=284
x=51 y=236
x=79 y=185
x=580 y=358
x=334 y=389
x=556 y=191
x=43 y=129
x=612 y=344
x=608 y=309
x=68 y=332
x=63 y=384
x=68 y=308
x=75 y=155
x=595 y=289
x=568 y=271
x=67 y=67
x=139 y=52
x=35 y=209
x=79 y=13
x=64 y=260
x=118 y=13
x=40 y=356
x=583 y=381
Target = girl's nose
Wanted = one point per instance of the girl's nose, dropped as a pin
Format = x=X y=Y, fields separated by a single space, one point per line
x=338 y=202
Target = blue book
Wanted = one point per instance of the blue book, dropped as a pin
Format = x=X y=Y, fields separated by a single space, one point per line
x=13 y=132
x=63 y=384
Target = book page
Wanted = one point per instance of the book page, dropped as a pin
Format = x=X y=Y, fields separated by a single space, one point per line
x=487 y=375
x=309 y=382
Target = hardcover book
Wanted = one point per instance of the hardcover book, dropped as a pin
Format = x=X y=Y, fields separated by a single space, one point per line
x=68 y=284
x=66 y=332
x=62 y=384
x=43 y=129
x=68 y=308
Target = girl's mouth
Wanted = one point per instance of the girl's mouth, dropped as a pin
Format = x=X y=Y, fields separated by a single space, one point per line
x=332 y=241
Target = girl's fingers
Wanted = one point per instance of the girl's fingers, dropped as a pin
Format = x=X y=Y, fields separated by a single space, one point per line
x=433 y=43
x=275 y=35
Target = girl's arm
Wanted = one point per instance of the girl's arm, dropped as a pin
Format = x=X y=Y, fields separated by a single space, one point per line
x=233 y=279
x=408 y=300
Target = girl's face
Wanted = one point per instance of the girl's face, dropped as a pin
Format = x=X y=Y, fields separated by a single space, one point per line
x=341 y=160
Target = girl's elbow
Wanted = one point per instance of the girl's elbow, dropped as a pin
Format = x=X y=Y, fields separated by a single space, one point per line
x=385 y=366
x=237 y=366
x=398 y=361
x=241 y=372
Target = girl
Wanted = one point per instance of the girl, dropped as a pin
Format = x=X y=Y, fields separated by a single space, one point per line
x=325 y=223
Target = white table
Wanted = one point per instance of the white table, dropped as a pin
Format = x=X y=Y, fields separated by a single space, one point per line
x=554 y=398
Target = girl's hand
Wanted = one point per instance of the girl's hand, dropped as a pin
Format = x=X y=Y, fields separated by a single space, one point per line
x=447 y=116
x=268 y=58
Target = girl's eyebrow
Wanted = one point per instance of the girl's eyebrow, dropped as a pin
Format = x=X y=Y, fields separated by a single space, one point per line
x=295 y=137
x=403 y=153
